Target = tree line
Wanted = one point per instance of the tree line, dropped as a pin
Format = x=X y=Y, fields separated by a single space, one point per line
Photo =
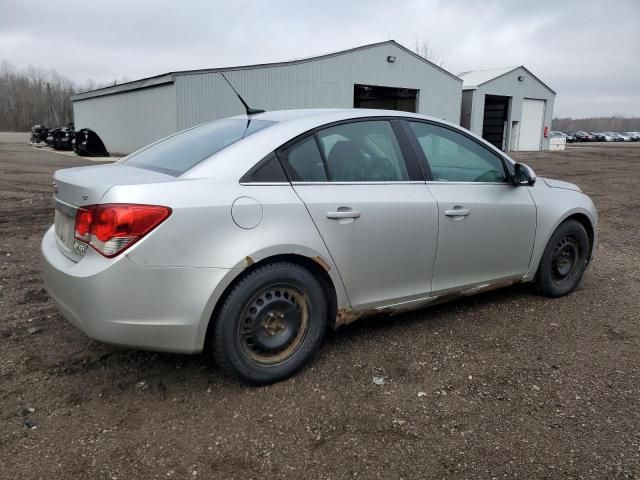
x=616 y=123
x=33 y=96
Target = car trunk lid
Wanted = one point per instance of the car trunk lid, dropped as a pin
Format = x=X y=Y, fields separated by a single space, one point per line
x=77 y=187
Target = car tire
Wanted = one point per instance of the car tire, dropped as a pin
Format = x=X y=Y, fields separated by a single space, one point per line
x=564 y=260
x=270 y=324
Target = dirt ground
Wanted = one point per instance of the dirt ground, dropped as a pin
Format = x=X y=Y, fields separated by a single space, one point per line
x=507 y=384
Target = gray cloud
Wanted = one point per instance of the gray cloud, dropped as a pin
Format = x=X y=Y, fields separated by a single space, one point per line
x=587 y=51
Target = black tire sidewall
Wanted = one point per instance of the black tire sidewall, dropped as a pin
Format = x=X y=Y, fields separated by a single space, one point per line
x=228 y=352
x=546 y=283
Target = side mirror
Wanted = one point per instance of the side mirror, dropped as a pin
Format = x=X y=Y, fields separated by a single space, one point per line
x=523 y=175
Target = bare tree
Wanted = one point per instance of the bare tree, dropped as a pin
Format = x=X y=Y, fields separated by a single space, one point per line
x=35 y=96
x=426 y=50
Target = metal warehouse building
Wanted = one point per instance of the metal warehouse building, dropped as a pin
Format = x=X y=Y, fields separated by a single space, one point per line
x=510 y=107
x=380 y=75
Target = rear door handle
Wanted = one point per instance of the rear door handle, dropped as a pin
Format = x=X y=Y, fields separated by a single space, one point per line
x=457 y=212
x=343 y=214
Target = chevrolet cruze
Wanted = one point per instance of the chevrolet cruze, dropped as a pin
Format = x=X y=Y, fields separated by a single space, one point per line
x=249 y=237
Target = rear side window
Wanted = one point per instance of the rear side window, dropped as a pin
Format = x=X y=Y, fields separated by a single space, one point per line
x=178 y=153
x=453 y=157
x=305 y=162
x=366 y=151
x=363 y=152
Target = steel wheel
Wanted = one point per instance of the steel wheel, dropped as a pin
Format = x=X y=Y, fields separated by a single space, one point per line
x=270 y=323
x=274 y=324
x=565 y=259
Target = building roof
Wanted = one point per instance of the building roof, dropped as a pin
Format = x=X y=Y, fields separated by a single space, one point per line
x=472 y=79
x=167 y=78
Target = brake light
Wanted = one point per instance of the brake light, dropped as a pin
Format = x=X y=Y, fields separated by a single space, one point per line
x=111 y=228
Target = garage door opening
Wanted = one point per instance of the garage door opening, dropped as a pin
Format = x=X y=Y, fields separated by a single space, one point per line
x=494 y=125
x=388 y=98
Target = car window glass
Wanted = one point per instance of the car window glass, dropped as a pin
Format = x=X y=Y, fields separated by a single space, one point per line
x=305 y=162
x=363 y=152
x=178 y=153
x=453 y=157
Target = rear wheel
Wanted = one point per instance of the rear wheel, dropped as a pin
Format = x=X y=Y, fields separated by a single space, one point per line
x=564 y=260
x=270 y=324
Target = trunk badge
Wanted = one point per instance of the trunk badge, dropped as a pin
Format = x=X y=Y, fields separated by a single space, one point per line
x=79 y=247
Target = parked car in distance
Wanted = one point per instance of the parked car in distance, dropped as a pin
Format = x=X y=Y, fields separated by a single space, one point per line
x=581 y=136
x=625 y=137
x=635 y=136
x=619 y=137
x=607 y=137
x=251 y=236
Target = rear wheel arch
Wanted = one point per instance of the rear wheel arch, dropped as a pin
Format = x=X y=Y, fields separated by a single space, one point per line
x=317 y=267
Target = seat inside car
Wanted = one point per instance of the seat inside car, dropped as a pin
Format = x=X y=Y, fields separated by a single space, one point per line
x=346 y=162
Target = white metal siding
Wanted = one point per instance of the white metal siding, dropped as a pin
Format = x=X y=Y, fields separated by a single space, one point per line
x=531 y=125
x=318 y=83
x=129 y=120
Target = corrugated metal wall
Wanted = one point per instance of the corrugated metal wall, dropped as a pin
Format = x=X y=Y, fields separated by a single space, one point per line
x=320 y=83
x=130 y=120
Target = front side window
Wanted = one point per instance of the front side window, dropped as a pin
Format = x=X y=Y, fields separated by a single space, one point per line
x=363 y=152
x=453 y=157
x=178 y=153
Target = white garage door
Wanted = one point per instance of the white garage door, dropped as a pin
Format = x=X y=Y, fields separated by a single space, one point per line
x=531 y=125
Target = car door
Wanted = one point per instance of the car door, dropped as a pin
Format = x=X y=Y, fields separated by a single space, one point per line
x=362 y=186
x=486 y=224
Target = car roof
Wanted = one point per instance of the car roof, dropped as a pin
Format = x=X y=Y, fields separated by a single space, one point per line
x=327 y=115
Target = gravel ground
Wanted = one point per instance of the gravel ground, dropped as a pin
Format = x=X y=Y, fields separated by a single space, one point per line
x=506 y=384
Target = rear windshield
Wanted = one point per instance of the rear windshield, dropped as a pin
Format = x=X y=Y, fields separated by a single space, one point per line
x=178 y=153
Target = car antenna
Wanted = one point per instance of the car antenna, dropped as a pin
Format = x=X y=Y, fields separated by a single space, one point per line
x=250 y=111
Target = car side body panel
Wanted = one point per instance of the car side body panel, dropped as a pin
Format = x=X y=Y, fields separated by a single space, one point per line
x=554 y=206
x=386 y=254
x=202 y=233
x=492 y=241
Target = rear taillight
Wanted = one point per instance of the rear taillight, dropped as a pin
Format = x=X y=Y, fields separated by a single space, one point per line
x=113 y=227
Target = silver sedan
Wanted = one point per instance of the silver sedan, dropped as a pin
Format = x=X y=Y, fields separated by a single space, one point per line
x=251 y=236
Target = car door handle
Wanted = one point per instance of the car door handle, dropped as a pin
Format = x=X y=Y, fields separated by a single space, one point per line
x=343 y=214
x=457 y=212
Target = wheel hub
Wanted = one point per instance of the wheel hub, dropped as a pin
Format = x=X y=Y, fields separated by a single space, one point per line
x=565 y=258
x=274 y=324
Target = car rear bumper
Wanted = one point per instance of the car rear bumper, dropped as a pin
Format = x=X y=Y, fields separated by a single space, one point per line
x=119 y=302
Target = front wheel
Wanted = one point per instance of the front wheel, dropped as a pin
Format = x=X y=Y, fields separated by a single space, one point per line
x=270 y=324
x=564 y=260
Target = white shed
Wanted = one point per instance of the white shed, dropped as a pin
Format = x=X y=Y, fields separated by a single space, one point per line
x=509 y=107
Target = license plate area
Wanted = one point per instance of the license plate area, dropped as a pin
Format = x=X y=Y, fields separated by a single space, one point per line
x=64 y=226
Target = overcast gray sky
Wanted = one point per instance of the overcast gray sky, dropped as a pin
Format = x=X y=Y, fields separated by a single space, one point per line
x=588 y=51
